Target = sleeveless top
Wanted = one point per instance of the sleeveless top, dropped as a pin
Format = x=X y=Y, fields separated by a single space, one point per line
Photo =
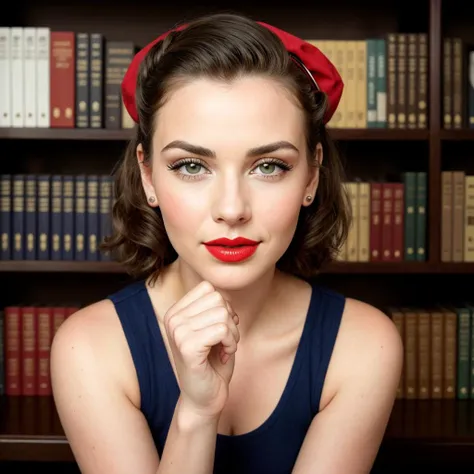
x=272 y=447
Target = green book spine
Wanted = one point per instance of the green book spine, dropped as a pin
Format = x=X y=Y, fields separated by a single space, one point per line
x=409 y=181
x=371 y=83
x=463 y=358
x=381 y=83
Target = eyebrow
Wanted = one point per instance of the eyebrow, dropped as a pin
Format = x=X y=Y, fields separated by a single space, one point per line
x=202 y=151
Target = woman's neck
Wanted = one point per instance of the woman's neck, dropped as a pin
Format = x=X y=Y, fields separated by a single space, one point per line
x=253 y=304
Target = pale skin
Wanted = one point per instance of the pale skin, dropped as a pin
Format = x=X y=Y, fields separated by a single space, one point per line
x=94 y=380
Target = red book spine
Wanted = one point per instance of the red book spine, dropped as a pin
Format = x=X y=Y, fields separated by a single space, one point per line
x=63 y=79
x=29 y=353
x=12 y=344
x=375 y=222
x=59 y=315
x=387 y=222
x=45 y=333
x=398 y=221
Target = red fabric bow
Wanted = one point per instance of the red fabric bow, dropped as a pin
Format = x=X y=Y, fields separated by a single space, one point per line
x=323 y=71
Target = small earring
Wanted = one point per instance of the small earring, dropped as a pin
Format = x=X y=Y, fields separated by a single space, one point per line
x=309 y=198
x=151 y=199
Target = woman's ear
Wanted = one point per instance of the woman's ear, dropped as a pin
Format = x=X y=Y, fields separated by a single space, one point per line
x=313 y=180
x=145 y=174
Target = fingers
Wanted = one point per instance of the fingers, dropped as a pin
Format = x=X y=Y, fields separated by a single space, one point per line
x=197 y=292
x=194 y=347
x=214 y=316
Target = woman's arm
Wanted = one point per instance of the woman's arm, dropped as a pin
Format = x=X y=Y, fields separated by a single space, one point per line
x=91 y=370
x=365 y=369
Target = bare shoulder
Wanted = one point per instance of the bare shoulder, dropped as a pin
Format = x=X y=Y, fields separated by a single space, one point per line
x=368 y=351
x=92 y=339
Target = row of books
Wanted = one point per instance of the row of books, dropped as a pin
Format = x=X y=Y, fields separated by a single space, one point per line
x=457 y=84
x=54 y=217
x=438 y=352
x=386 y=81
x=65 y=217
x=388 y=220
x=26 y=334
x=71 y=79
x=457 y=216
x=62 y=79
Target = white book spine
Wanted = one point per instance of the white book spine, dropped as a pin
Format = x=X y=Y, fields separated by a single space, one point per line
x=17 y=77
x=29 y=35
x=5 y=74
x=43 y=77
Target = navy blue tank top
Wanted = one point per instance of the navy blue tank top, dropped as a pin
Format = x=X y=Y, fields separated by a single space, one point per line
x=272 y=447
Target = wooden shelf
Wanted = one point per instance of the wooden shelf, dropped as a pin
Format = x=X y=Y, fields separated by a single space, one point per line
x=457 y=135
x=123 y=135
x=30 y=429
x=374 y=134
x=64 y=134
x=39 y=266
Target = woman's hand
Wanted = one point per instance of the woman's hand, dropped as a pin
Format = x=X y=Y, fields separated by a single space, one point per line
x=203 y=335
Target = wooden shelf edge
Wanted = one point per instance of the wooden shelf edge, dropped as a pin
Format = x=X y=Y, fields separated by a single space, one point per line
x=65 y=134
x=38 y=266
x=342 y=134
x=457 y=135
x=373 y=134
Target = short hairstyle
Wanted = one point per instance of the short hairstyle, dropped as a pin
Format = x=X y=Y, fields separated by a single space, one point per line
x=225 y=46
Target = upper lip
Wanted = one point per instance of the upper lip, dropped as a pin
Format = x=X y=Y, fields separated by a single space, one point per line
x=231 y=242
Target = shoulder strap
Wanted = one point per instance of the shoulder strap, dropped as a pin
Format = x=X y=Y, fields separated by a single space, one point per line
x=326 y=322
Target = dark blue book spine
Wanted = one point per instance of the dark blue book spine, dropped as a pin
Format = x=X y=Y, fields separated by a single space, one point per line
x=6 y=216
x=105 y=217
x=68 y=218
x=56 y=217
x=80 y=217
x=18 y=217
x=31 y=224
x=92 y=217
x=44 y=217
x=2 y=352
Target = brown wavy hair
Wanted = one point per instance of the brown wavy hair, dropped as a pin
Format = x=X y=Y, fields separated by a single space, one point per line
x=224 y=46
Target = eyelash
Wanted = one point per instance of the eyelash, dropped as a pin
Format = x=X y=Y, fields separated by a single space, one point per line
x=285 y=167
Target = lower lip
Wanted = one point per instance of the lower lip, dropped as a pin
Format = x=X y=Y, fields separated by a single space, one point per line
x=232 y=254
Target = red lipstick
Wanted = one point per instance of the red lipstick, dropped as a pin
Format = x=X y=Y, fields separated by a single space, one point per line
x=235 y=250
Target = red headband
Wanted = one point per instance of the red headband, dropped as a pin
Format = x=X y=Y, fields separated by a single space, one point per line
x=322 y=71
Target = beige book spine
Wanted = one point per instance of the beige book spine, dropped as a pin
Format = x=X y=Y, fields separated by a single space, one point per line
x=446 y=216
x=364 y=222
x=469 y=219
x=351 y=84
x=458 y=215
x=352 y=238
x=361 y=84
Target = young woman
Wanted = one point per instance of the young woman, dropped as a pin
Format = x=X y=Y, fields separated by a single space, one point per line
x=223 y=357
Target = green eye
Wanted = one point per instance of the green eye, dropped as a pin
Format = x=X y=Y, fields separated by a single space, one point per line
x=192 y=168
x=267 y=168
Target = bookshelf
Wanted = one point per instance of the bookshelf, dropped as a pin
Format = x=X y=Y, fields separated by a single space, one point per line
x=431 y=431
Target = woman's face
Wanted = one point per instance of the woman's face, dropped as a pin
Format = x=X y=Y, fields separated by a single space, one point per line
x=229 y=161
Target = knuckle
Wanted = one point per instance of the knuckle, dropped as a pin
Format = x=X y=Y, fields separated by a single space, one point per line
x=222 y=328
x=218 y=299
x=179 y=334
x=222 y=314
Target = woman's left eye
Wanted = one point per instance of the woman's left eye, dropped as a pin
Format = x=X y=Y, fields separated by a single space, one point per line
x=272 y=168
